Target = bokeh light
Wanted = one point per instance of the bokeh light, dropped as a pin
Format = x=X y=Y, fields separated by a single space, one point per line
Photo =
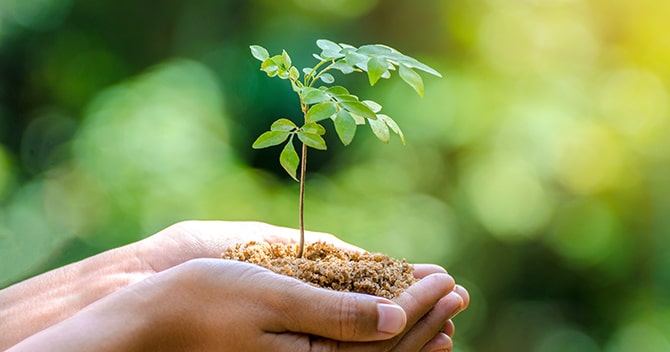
x=536 y=170
x=507 y=196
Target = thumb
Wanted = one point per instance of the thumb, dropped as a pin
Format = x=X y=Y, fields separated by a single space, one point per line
x=343 y=316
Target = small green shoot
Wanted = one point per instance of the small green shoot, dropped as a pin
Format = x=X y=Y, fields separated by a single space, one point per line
x=332 y=102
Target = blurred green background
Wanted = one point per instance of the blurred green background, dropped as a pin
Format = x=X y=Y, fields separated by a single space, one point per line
x=537 y=170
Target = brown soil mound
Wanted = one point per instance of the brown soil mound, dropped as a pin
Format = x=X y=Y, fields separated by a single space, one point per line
x=327 y=266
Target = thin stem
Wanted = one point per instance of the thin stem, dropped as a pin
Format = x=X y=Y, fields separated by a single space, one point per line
x=301 y=209
x=309 y=82
x=303 y=155
x=325 y=69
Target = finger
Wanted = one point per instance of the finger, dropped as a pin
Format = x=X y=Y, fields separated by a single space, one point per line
x=431 y=323
x=341 y=316
x=416 y=301
x=423 y=270
x=464 y=294
x=441 y=342
x=222 y=234
x=420 y=298
x=197 y=239
x=449 y=328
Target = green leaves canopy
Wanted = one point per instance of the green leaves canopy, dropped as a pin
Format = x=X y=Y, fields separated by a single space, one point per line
x=336 y=103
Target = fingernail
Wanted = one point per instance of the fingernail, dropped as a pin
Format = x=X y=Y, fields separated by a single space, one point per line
x=391 y=318
x=442 y=343
x=463 y=293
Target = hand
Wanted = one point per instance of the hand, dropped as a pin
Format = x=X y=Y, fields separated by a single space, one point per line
x=45 y=300
x=194 y=239
x=208 y=239
x=42 y=301
x=213 y=304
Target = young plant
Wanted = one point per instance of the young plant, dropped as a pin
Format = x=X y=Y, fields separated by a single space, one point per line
x=332 y=102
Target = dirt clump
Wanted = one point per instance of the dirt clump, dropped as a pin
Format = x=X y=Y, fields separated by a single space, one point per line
x=327 y=266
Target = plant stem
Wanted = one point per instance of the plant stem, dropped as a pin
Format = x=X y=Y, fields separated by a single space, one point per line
x=310 y=82
x=301 y=209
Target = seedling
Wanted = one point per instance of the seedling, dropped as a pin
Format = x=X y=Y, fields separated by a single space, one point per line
x=332 y=102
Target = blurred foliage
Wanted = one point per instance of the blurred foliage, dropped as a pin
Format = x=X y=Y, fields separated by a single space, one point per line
x=537 y=170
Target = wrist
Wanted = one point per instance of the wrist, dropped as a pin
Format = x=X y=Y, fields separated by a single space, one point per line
x=109 y=324
x=49 y=298
x=151 y=315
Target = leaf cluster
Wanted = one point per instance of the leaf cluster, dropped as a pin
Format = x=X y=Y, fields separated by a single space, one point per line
x=335 y=102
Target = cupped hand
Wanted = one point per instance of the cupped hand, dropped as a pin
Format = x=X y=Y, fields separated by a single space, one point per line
x=196 y=239
x=101 y=297
x=208 y=239
x=221 y=305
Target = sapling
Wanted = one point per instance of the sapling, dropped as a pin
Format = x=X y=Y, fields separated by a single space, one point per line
x=332 y=102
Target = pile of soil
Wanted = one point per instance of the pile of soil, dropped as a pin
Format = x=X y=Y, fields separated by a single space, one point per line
x=327 y=266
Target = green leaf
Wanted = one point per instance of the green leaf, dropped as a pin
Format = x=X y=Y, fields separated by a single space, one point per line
x=286 y=59
x=293 y=73
x=343 y=67
x=278 y=65
x=358 y=108
x=337 y=90
x=412 y=78
x=313 y=96
x=375 y=50
x=312 y=140
x=282 y=124
x=276 y=60
x=327 y=78
x=393 y=125
x=269 y=139
x=345 y=126
x=357 y=60
x=313 y=127
x=377 y=66
x=396 y=56
x=289 y=159
x=270 y=67
x=373 y=105
x=326 y=44
x=321 y=111
x=283 y=74
x=330 y=50
x=347 y=97
x=413 y=63
x=259 y=52
x=380 y=129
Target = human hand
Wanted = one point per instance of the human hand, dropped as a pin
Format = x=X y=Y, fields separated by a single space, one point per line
x=208 y=239
x=194 y=239
x=42 y=301
x=208 y=304
x=54 y=296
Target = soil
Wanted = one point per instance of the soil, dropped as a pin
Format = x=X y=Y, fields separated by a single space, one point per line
x=327 y=266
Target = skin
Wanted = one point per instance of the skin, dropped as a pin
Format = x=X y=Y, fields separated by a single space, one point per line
x=187 y=301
